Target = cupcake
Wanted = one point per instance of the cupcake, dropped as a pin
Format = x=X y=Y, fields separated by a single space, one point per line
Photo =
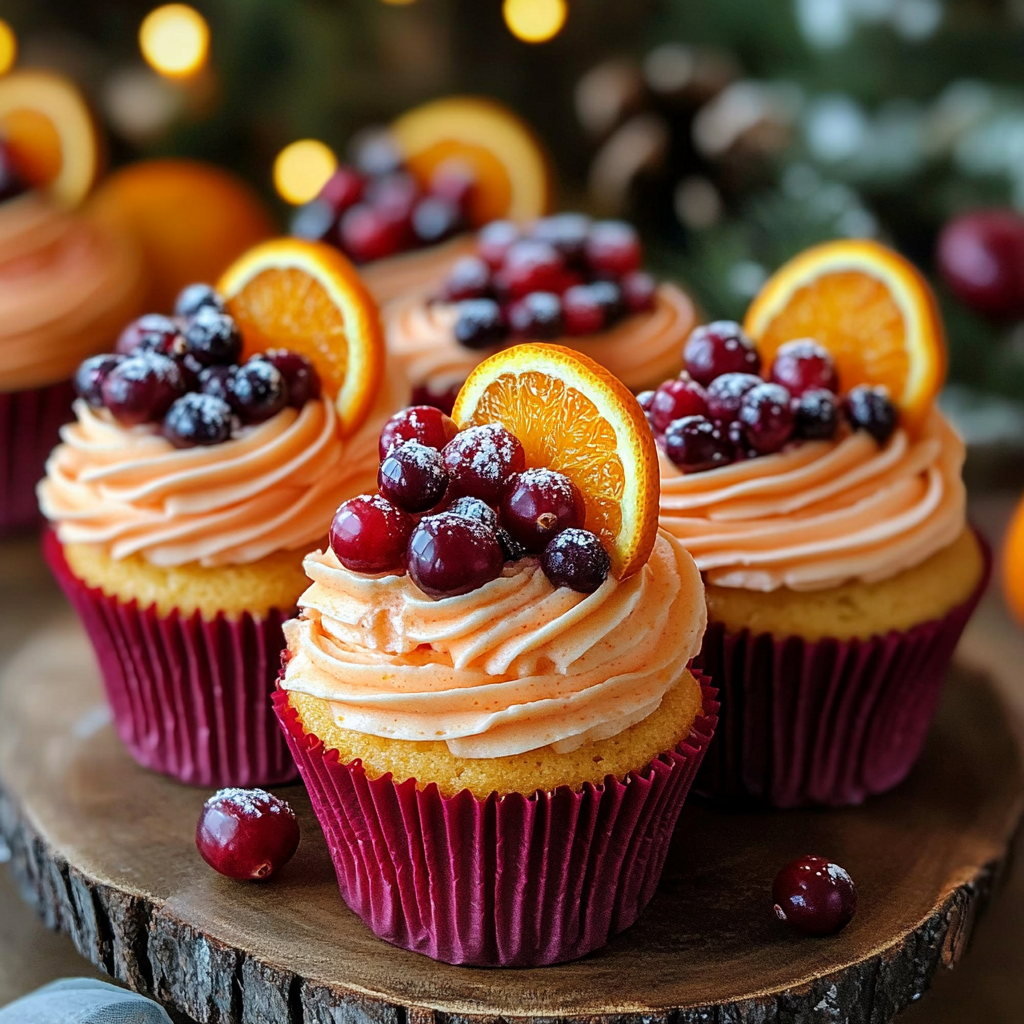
x=563 y=277
x=819 y=490
x=486 y=690
x=205 y=457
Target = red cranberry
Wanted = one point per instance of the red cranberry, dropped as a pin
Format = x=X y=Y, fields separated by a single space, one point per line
x=481 y=461
x=981 y=256
x=675 y=399
x=638 y=290
x=814 y=896
x=435 y=219
x=695 y=445
x=474 y=508
x=195 y=297
x=90 y=375
x=494 y=241
x=451 y=554
x=582 y=312
x=216 y=381
x=480 y=324
x=537 y=316
x=374 y=152
x=576 y=559
x=532 y=266
x=767 y=417
x=804 y=365
x=725 y=393
x=870 y=409
x=197 y=419
x=343 y=189
x=609 y=296
x=646 y=400
x=315 y=221
x=413 y=477
x=153 y=332
x=394 y=196
x=12 y=184
x=247 y=834
x=613 y=247
x=140 y=389
x=567 y=232
x=741 y=450
x=539 y=504
x=366 y=234
x=469 y=278
x=436 y=395
x=510 y=547
x=719 y=348
x=817 y=415
x=369 y=534
x=213 y=337
x=422 y=423
x=301 y=379
x=258 y=391
x=455 y=181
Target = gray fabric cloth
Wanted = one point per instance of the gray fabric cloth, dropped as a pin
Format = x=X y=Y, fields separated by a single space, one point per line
x=83 y=1001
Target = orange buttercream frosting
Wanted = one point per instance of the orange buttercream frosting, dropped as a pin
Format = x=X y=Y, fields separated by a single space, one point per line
x=641 y=350
x=513 y=666
x=822 y=512
x=67 y=286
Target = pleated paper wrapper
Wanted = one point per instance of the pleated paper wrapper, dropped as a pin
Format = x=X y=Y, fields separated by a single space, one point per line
x=511 y=881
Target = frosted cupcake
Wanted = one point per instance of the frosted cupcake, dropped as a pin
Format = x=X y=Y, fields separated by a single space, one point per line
x=185 y=492
x=562 y=278
x=826 y=511
x=502 y=681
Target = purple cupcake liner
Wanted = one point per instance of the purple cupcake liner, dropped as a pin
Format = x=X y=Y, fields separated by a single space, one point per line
x=829 y=722
x=514 y=881
x=191 y=697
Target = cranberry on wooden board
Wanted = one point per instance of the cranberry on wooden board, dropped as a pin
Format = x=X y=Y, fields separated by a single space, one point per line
x=814 y=896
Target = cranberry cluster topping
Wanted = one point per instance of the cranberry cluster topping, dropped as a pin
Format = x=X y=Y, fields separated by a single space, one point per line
x=377 y=208
x=183 y=372
x=722 y=410
x=455 y=506
x=561 y=275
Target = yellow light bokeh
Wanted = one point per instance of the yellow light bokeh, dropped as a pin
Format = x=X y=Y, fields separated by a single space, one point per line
x=175 y=40
x=302 y=168
x=535 y=21
x=8 y=47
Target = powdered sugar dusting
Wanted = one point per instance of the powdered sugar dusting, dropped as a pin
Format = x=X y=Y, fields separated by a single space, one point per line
x=249 y=803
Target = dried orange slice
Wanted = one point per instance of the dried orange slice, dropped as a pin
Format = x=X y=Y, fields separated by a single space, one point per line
x=509 y=164
x=573 y=416
x=51 y=132
x=867 y=305
x=305 y=296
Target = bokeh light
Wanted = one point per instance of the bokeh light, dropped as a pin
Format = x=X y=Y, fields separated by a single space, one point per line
x=175 y=40
x=535 y=21
x=8 y=47
x=302 y=168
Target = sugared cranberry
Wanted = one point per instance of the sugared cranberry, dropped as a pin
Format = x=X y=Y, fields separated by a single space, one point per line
x=537 y=316
x=532 y=266
x=695 y=444
x=767 y=416
x=90 y=375
x=814 y=896
x=495 y=239
x=567 y=232
x=455 y=181
x=609 y=296
x=481 y=461
x=300 y=376
x=191 y=368
x=804 y=365
x=315 y=221
x=677 y=398
x=434 y=219
x=216 y=381
x=140 y=389
x=638 y=289
x=510 y=547
x=725 y=393
x=613 y=247
x=741 y=450
x=258 y=391
x=12 y=183
x=213 y=337
x=421 y=423
x=247 y=834
x=817 y=415
x=367 y=234
x=870 y=409
x=480 y=323
x=469 y=278
x=195 y=297
x=539 y=504
x=394 y=197
x=153 y=332
x=451 y=554
x=413 y=477
x=581 y=311
x=646 y=400
x=981 y=256
x=374 y=152
x=369 y=534
x=474 y=508
x=197 y=419
x=719 y=348
x=343 y=189
x=576 y=559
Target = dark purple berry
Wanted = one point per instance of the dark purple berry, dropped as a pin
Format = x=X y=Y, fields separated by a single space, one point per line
x=434 y=219
x=197 y=419
x=314 y=221
x=216 y=381
x=258 y=391
x=140 y=389
x=469 y=278
x=609 y=297
x=814 y=896
x=576 y=559
x=423 y=423
x=804 y=365
x=510 y=547
x=870 y=409
x=537 y=316
x=153 y=332
x=213 y=337
x=480 y=324
x=695 y=444
x=481 y=462
x=539 y=504
x=725 y=393
x=767 y=417
x=451 y=554
x=718 y=348
x=474 y=508
x=817 y=415
x=413 y=477
x=90 y=375
x=675 y=399
x=369 y=534
x=195 y=297
x=191 y=368
x=300 y=376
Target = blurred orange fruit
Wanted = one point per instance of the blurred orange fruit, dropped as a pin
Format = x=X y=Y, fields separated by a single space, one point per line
x=573 y=416
x=1013 y=564
x=191 y=220
x=867 y=305
x=51 y=132
x=511 y=169
x=307 y=297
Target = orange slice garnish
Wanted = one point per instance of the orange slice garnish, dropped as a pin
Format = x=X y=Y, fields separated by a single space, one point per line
x=573 y=416
x=307 y=297
x=51 y=133
x=511 y=169
x=871 y=309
